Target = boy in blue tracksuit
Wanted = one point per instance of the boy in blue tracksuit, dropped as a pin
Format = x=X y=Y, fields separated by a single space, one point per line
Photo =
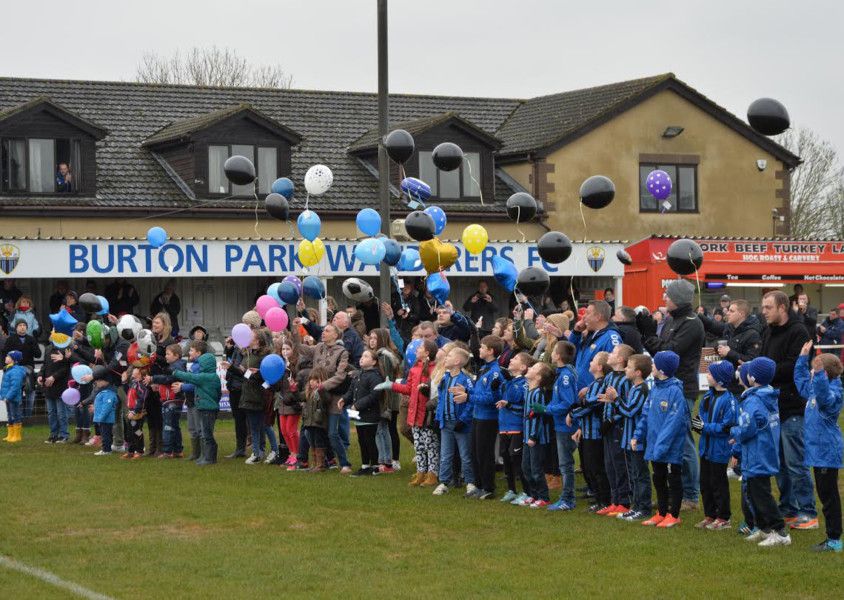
x=11 y=392
x=486 y=393
x=716 y=417
x=822 y=436
x=454 y=415
x=617 y=385
x=758 y=432
x=537 y=434
x=105 y=407
x=632 y=406
x=510 y=430
x=563 y=399
x=663 y=429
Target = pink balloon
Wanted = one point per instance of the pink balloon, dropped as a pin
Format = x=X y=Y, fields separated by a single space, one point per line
x=276 y=319
x=71 y=396
x=242 y=335
x=264 y=304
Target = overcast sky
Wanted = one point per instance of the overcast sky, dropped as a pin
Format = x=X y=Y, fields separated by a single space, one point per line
x=732 y=51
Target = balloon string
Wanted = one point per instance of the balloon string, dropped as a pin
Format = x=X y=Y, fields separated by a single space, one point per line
x=307 y=199
x=583 y=218
x=475 y=181
x=519 y=218
x=697 y=278
x=573 y=297
x=258 y=235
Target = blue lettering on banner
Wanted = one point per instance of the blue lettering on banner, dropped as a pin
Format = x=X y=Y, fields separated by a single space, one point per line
x=78 y=255
x=165 y=264
x=276 y=262
x=96 y=254
x=126 y=258
x=195 y=260
x=254 y=258
x=342 y=253
x=234 y=253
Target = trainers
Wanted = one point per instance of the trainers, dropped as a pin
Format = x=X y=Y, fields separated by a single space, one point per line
x=127 y=455
x=472 y=491
x=633 y=515
x=485 y=495
x=618 y=509
x=362 y=471
x=789 y=520
x=561 y=505
x=775 y=539
x=385 y=469
x=236 y=454
x=396 y=465
x=270 y=457
x=605 y=510
x=440 y=490
x=804 y=522
x=508 y=496
x=731 y=474
x=744 y=529
x=138 y=456
x=50 y=440
x=297 y=466
x=756 y=535
x=332 y=464
x=705 y=523
x=517 y=501
x=688 y=505
x=93 y=441
x=114 y=447
x=719 y=524
x=102 y=453
x=669 y=521
x=254 y=459
x=653 y=521
x=528 y=500
x=63 y=440
x=596 y=508
x=347 y=470
x=827 y=546
x=539 y=504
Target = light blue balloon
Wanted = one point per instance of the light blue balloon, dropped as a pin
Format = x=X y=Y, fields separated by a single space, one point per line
x=272 y=292
x=157 y=237
x=438 y=215
x=370 y=251
x=104 y=303
x=410 y=352
x=410 y=260
x=309 y=225
x=369 y=221
x=272 y=368
x=439 y=287
x=505 y=272
x=79 y=371
x=313 y=287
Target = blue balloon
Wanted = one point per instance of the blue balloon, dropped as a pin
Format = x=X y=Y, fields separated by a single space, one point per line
x=370 y=251
x=272 y=292
x=438 y=215
x=295 y=281
x=393 y=251
x=416 y=189
x=156 y=236
x=309 y=225
x=369 y=221
x=104 y=303
x=63 y=322
x=272 y=368
x=410 y=352
x=283 y=186
x=410 y=260
x=505 y=272
x=78 y=371
x=288 y=292
x=439 y=287
x=313 y=287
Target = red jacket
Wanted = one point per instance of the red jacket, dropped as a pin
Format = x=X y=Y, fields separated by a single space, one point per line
x=417 y=375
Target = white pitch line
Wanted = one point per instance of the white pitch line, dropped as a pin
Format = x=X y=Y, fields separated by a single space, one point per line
x=54 y=580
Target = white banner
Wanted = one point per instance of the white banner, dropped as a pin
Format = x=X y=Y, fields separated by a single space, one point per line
x=114 y=258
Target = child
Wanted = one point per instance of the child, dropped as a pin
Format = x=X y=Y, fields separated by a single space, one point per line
x=365 y=398
x=315 y=419
x=454 y=415
x=485 y=394
x=617 y=385
x=288 y=404
x=105 y=407
x=590 y=417
x=196 y=348
x=171 y=402
x=716 y=417
x=11 y=392
x=663 y=430
x=824 y=447
x=207 y=389
x=136 y=402
x=510 y=431
x=633 y=406
x=537 y=434
x=562 y=402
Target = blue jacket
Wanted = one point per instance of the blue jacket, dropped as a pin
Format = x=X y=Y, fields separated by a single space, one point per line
x=834 y=332
x=758 y=432
x=458 y=330
x=447 y=409
x=488 y=389
x=632 y=406
x=189 y=389
x=587 y=347
x=719 y=413
x=105 y=405
x=510 y=417
x=589 y=413
x=536 y=425
x=821 y=433
x=664 y=426
x=564 y=398
x=12 y=387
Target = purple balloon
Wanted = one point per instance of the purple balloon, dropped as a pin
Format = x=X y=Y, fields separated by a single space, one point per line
x=71 y=396
x=242 y=335
x=659 y=184
x=295 y=281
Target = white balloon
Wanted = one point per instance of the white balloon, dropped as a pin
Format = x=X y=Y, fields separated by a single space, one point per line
x=128 y=327
x=357 y=290
x=318 y=179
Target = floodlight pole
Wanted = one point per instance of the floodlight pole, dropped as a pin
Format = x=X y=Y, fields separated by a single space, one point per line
x=384 y=292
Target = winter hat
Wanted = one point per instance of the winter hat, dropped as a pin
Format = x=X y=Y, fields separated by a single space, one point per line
x=743 y=372
x=722 y=372
x=100 y=372
x=762 y=370
x=680 y=292
x=16 y=356
x=252 y=318
x=198 y=328
x=725 y=298
x=20 y=320
x=667 y=362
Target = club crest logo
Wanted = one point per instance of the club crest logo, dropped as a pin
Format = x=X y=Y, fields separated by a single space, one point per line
x=9 y=257
x=595 y=257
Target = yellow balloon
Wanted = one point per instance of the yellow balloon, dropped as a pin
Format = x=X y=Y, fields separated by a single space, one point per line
x=310 y=253
x=475 y=239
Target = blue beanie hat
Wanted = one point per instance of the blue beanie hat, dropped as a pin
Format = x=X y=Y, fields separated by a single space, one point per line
x=16 y=356
x=762 y=370
x=743 y=372
x=722 y=372
x=667 y=362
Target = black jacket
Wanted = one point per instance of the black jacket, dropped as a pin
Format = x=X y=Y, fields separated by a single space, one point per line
x=744 y=342
x=481 y=309
x=630 y=335
x=28 y=347
x=363 y=397
x=682 y=333
x=782 y=344
x=59 y=371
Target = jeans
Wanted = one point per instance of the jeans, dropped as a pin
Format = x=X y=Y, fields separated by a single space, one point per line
x=462 y=441
x=345 y=428
x=691 y=473
x=106 y=432
x=207 y=420
x=336 y=437
x=640 y=481
x=533 y=470
x=172 y=430
x=797 y=495
x=273 y=441
x=565 y=455
x=384 y=442
x=13 y=408
x=255 y=418
x=57 y=417
x=193 y=422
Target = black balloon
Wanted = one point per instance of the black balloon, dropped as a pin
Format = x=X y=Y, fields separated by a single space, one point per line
x=420 y=226
x=597 y=191
x=684 y=256
x=533 y=282
x=521 y=207
x=447 y=156
x=277 y=206
x=399 y=145
x=90 y=303
x=768 y=116
x=624 y=257
x=554 y=247
x=239 y=170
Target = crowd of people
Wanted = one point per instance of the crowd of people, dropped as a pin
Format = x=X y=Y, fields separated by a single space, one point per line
x=614 y=389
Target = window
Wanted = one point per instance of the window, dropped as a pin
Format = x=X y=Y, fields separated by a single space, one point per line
x=266 y=169
x=40 y=165
x=683 y=196
x=460 y=183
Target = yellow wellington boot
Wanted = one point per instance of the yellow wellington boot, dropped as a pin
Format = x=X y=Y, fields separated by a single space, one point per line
x=18 y=432
x=10 y=430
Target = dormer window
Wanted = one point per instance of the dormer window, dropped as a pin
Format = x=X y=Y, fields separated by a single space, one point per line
x=266 y=168
x=460 y=183
x=42 y=165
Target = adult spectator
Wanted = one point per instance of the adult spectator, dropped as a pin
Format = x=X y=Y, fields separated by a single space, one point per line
x=724 y=303
x=9 y=292
x=609 y=298
x=808 y=314
x=428 y=331
x=235 y=371
x=64 y=179
x=782 y=341
x=26 y=344
x=740 y=331
x=625 y=320
x=481 y=309
x=71 y=305
x=122 y=297
x=682 y=333
x=58 y=298
x=832 y=329
x=168 y=302
x=453 y=325
x=350 y=338
x=406 y=309
x=798 y=289
x=592 y=334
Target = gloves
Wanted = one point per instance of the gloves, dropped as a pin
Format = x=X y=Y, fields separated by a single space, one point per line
x=425 y=390
x=387 y=385
x=537 y=408
x=496 y=384
x=646 y=325
x=459 y=426
x=726 y=428
x=697 y=424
